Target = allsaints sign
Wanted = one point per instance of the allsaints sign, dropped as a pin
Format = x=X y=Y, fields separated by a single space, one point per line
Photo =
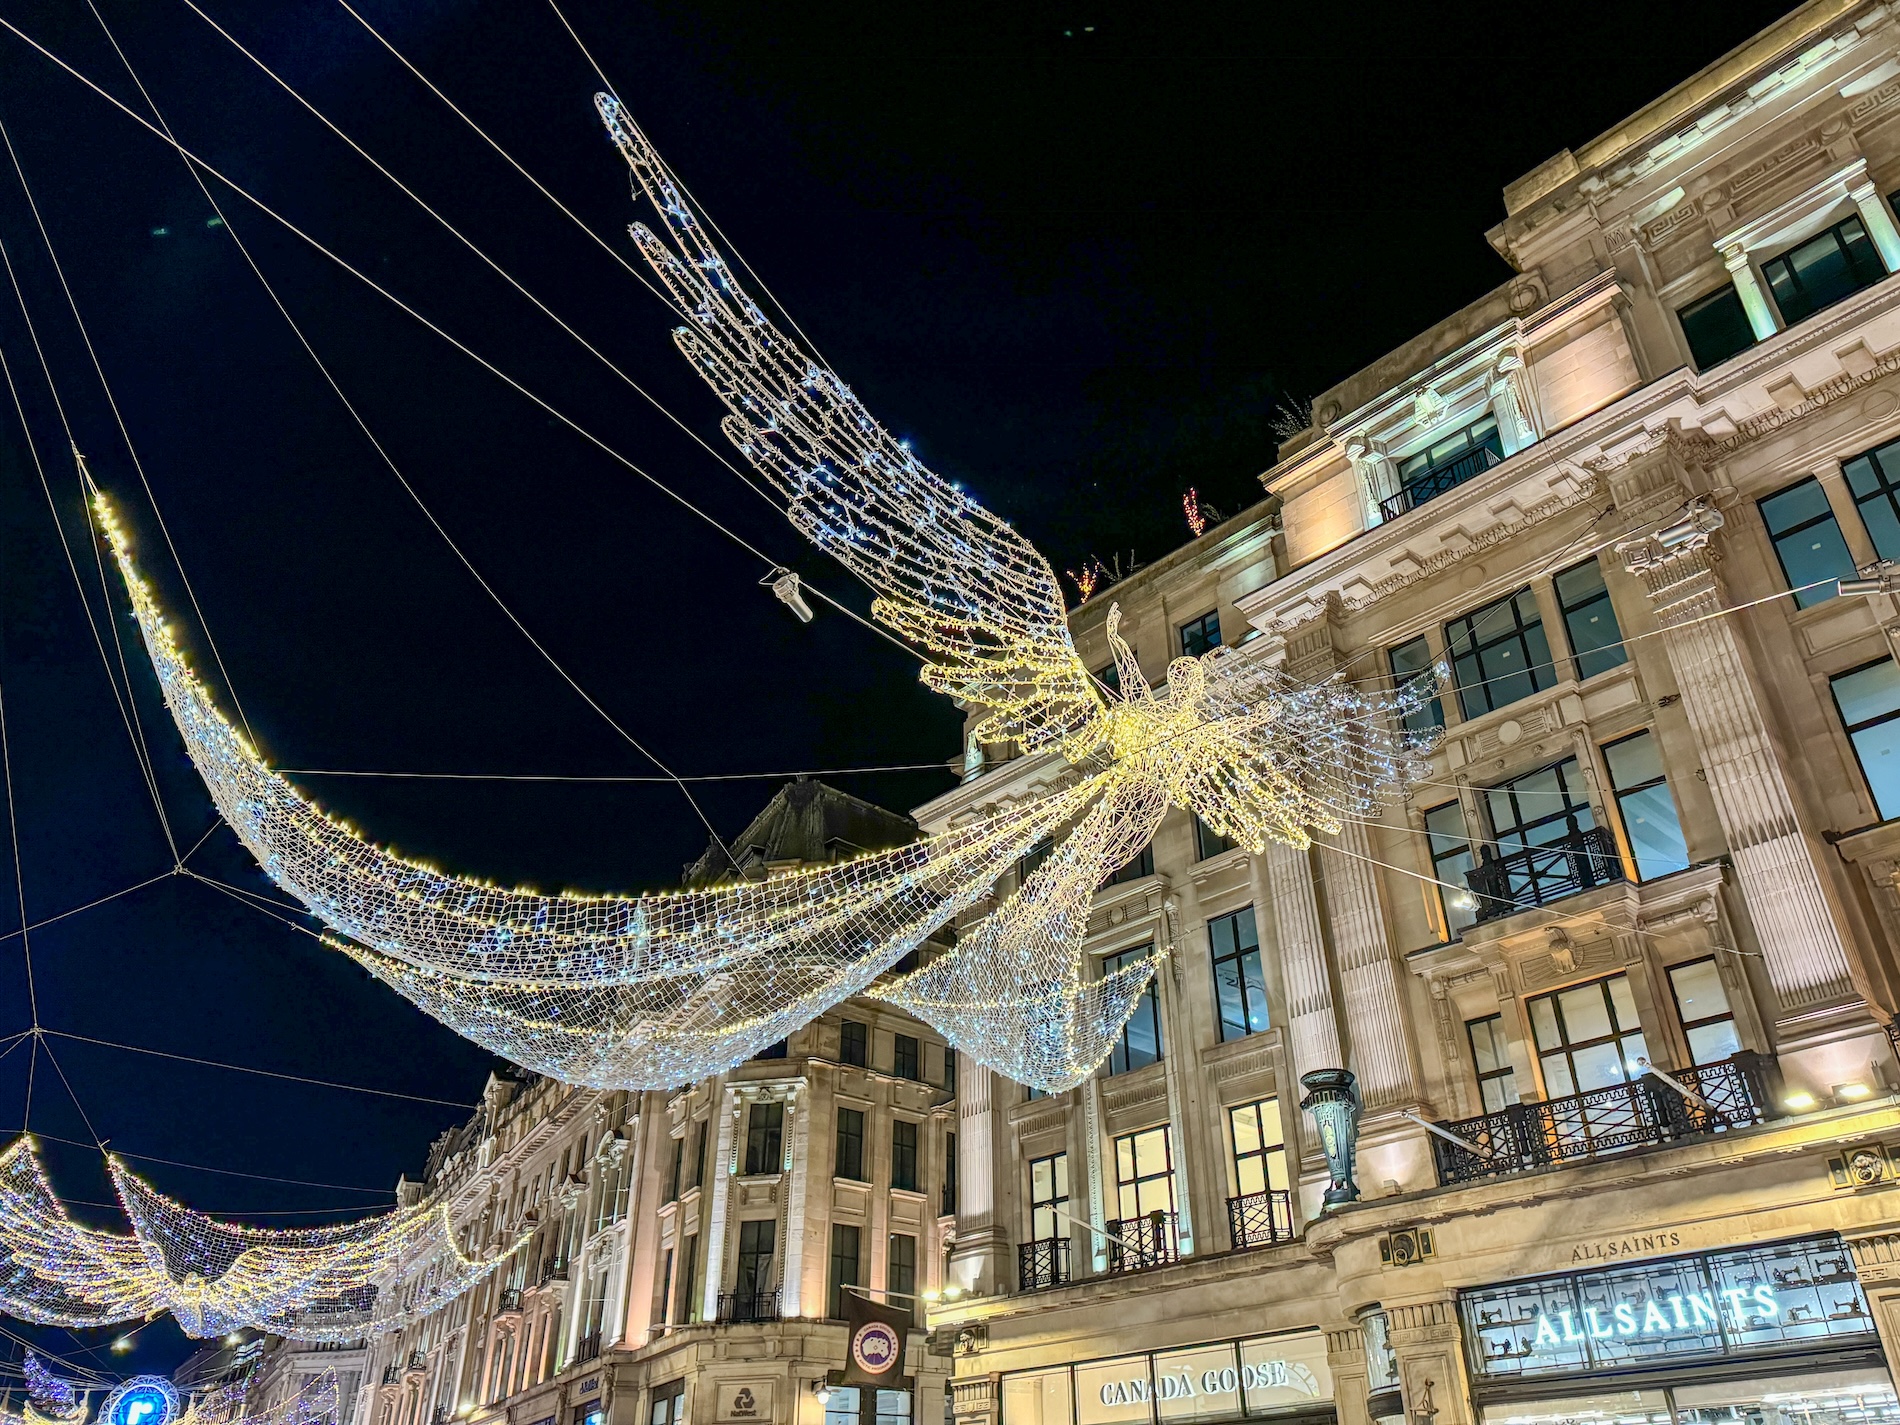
x=1735 y=1303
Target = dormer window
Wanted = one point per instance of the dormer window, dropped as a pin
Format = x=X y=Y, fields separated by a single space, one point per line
x=1444 y=465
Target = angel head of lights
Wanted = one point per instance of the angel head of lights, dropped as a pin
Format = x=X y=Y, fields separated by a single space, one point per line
x=319 y=1284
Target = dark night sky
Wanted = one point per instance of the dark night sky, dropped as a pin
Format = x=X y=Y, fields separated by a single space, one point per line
x=1076 y=267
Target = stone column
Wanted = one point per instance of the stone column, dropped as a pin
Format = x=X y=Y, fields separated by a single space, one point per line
x=1368 y=976
x=1761 y=316
x=1312 y=1027
x=797 y=1176
x=725 y=1164
x=1425 y=1339
x=1174 y=1063
x=1097 y=1201
x=1879 y=223
x=979 y=1262
x=1515 y=427
x=1377 y=479
x=1774 y=867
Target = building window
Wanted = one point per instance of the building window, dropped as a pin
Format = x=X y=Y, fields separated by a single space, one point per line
x=1031 y=860
x=1259 y=1147
x=1823 y=270
x=893 y=1408
x=900 y=1267
x=949 y=1174
x=1716 y=326
x=1110 y=678
x=1048 y=1197
x=1874 y=479
x=843 y=1406
x=1448 y=463
x=949 y=1068
x=1142 y=865
x=664 y=1314
x=1589 y=619
x=1144 y=1174
x=904 y=1155
x=1807 y=541
x=1542 y=809
x=1498 y=654
x=699 y=1153
x=669 y=1404
x=1646 y=806
x=1497 y=1080
x=773 y=1051
x=763 y=1126
x=758 y=1243
x=851 y=1144
x=673 y=1175
x=907 y=1058
x=1209 y=843
x=1450 y=846
x=854 y=1043
x=689 y=1279
x=1869 y=703
x=1702 y=1004
x=1588 y=1037
x=1240 y=986
x=1410 y=662
x=1139 y=1043
x=1201 y=636
x=844 y=1266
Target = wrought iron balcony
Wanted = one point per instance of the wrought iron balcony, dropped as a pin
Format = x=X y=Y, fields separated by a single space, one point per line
x=553 y=1270
x=1043 y=1263
x=1640 y=1114
x=510 y=1300
x=417 y=1360
x=1538 y=875
x=392 y=1374
x=748 y=1306
x=1137 y=1243
x=587 y=1348
x=1435 y=482
x=1259 y=1219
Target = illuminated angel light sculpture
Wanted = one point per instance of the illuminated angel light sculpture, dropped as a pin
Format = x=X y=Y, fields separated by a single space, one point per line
x=324 y=1284
x=314 y=1403
x=654 y=991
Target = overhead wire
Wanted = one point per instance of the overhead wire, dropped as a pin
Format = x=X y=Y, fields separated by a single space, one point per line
x=19 y=889
x=613 y=778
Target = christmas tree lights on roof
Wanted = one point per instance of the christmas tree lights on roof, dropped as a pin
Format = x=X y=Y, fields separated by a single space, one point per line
x=318 y=1284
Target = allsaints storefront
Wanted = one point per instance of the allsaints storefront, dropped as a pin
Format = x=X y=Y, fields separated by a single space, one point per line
x=1779 y=1334
x=1282 y=1378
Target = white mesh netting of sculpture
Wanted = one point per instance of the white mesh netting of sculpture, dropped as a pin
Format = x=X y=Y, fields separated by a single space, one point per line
x=319 y=1284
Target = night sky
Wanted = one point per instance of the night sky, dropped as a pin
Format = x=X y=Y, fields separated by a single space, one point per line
x=1077 y=253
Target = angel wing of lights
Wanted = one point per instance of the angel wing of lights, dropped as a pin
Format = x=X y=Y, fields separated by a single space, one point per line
x=1251 y=752
x=314 y=1403
x=319 y=1284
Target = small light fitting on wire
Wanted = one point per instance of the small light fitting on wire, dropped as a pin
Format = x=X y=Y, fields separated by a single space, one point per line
x=1880 y=577
x=785 y=584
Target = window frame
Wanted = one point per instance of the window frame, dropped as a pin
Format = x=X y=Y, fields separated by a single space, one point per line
x=1840 y=713
x=1819 y=594
x=1729 y=292
x=1885 y=487
x=1236 y=958
x=1461 y=644
x=949 y=1203
x=1209 y=843
x=689 y=1278
x=904 y=1154
x=1150 y=1001
x=834 y=1281
x=1432 y=716
x=1139 y=868
x=842 y=1138
x=854 y=1048
x=1265 y=1111
x=1058 y=1199
x=1500 y=1047
x=1567 y=609
x=1136 y=1183
x=907 y=1057
x=1197 y=630
x=758 y=1135
x=1569 y=1048
x=1871 y=249
x=1728 y=1015
x=1441 y=874
x=898 y=1260
x=1618 y=794
x=764 y=1259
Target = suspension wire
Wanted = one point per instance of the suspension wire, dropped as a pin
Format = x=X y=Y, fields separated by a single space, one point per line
x=125 y=433
x=206 y=1168
x=84 y=1117
x=19 y=891
x=606 y=778
x=127 y=704
x=148 y=881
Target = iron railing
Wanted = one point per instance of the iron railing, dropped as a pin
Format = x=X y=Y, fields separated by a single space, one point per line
x=587 y=1348
x=1259 y=1219
x=1434 y=483
x=392 y=1375
x=510 y=1300
x=1136 y=1243
x=1539 y=875
x=1043 y=1263
x=553 y=1270
x=1523 y=1136
x=1893 y=1037
x=748 y=1306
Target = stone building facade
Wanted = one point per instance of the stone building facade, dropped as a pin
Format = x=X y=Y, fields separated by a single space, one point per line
x=691 y=1248
x=1615 y=980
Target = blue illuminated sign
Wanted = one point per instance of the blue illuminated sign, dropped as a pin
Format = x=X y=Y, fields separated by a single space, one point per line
x=143 y=1400
x=1746 y=1302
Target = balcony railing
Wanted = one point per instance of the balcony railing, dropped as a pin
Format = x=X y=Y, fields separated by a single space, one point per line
x=510 y=1300
x=1259 y=1219
x=587 y=1348
x=1639 y=1114
x=1434 y=483
x=1043 y=1263
x=1136 y=1243
x=748 y=1306
x=1539 y=875
x=392 y=1374
x=417 y=1360
x=553 y=1270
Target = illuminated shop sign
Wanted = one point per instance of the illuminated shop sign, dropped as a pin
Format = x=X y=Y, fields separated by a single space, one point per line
x=1738 y=1303
x=1225 y=1380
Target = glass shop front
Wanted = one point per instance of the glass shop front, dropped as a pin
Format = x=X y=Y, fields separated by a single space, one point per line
x=1779 y=1334
x=1281 y=1378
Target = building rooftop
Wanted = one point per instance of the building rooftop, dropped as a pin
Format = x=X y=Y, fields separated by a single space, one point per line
x=805 y=823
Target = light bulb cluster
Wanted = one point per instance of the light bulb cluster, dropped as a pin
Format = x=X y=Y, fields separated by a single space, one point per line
x=329 y=1284
x=53 y=1394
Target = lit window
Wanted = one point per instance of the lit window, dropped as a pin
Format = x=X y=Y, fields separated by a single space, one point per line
x=1445 y=464
x=893 y=1407
x=1259 y=1147
x=1646 y=806
x=1869 y=702
x=1201 y=636
x=1410 y=662
x=1588 y=1037
x=1240 y=986
x=1499 y=654
x=1874 y=479
x=1451 y=864
x=1702 y=1004
x=1144 y=1174
x=1823 y=270
x=1807 y=541
x=1717 y=327
x=1491 y=1056
x=669 y=1404
x=842 y=1407
x=1589 y=619
x=1048 y=1197
x=1139 y=1043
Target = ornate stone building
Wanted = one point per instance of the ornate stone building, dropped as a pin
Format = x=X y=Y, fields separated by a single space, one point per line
x=691 y=1248
x=1615 y=980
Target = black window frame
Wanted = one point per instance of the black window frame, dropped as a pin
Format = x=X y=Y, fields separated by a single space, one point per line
x=847 y=1254
x=1031 y=860
x=1443 y=871
x=1569 y=1048
x=673 y=1175
x=1057 y=1203
x=1807 y=598
x=854 y=1043
x=900 y=1269
x=1885 y=488
x=904 y=1139
x=667 y=1403
x=1195 y=634
x=1141 y=866
x=1860 y=763
x=1234 y=961
x=1462 y=646
x=1209 y=843
x=1494 y=1027
x=1149 y=1004
x=907 y=1057
x=1729 y=296
x=1704 y=1021
x=1868 y=267
x=949 y=1175
x=1620 y=795
x=699 y=1153
x=848 y=1160
x=1572 y=607
x=758 y=1245
x=1265 y=1111
x=764 y=1138
x=689 y=1277
x=665 y=1311
x=1422 y=721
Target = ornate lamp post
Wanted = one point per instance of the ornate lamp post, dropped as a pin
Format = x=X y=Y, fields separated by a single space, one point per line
x=1333 y=1099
